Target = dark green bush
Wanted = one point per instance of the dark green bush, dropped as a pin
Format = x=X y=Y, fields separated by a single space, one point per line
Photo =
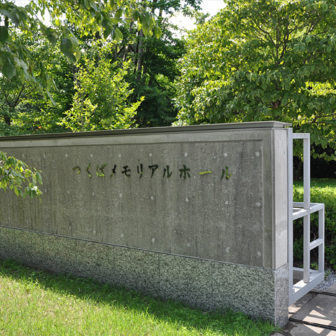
x=322 y=191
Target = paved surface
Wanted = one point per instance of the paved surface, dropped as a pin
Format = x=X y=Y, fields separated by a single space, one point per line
x=314 y=308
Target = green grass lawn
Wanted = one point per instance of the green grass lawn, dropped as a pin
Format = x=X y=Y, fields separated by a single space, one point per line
x=38 y=303
x=318 y=183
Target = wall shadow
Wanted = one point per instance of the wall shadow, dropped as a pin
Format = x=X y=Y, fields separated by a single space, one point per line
x=164 y=310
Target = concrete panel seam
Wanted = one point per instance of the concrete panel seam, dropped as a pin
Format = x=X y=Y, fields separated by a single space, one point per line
x=132 y=248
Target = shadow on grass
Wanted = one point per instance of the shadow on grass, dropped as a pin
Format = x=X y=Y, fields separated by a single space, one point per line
x=228 y=322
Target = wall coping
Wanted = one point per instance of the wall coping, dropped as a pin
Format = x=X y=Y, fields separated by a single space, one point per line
x=154 y=130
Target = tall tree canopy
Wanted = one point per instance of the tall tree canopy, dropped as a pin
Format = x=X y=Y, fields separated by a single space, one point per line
x=88 y=16
x=19 y=67
x=127 y=26
x=155 y=61
x=264 y=60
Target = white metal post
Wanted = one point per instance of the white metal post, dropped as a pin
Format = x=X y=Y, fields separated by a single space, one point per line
x=321 y=236
x=290 y=210
x=306 y=201
x=306 y=248
x=296 y=210
x=306 y=171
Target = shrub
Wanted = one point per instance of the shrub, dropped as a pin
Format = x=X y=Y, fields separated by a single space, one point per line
x=102 y=95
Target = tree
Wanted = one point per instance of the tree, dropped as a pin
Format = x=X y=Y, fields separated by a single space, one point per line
x=24 y=106
x=88 y=16
x=155 y=79
x=17 y=61
x=264 y=60
x=11 y=94
x=155 y=61
x=101 y=99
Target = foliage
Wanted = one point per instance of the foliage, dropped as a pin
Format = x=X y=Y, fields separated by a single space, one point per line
x=89 y=16
x=101 y=95
x=17 y=176
x=19 y=67
x=39 y=303
x=155 y=82
x=322 y=191
x=12 y=91
x=155 y=62
x=27 y=109
x=129 y=27
x=39 y=112
x=264 y=60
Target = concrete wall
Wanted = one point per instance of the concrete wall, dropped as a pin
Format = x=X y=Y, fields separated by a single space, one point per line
x=197 y=213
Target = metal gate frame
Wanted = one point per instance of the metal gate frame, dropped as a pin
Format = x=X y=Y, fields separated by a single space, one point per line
x=309 y=278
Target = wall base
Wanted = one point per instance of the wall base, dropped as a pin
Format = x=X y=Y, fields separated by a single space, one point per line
x=200 y=283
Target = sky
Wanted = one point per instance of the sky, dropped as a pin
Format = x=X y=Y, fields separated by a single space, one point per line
x=212 y=6
x=208 y=6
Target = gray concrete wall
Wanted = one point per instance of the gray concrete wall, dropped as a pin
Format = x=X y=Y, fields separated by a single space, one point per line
x=172 y=211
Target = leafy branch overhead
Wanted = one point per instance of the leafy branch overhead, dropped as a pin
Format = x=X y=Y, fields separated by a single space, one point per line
x=88 y=16
x=17 y=176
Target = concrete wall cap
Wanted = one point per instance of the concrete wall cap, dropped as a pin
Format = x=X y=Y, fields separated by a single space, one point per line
x=155 y=130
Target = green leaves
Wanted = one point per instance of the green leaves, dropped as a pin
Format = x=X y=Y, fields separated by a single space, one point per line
x=118 y=34
x=50 y=34
x=255 y=62
x=8 y=67
x=69 y=47
x=101 y=100
x=87 y=17
x=17 y=176
x=3 y=34
x=12 y=14
x=157 y=32
x=147 y=23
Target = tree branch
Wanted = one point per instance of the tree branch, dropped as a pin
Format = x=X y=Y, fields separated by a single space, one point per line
x=265 y=32
x=18 y=96
x=285 y=40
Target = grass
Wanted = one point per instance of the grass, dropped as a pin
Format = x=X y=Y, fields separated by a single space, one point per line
x=39 y=303
x=318 y=183
x=322 y=191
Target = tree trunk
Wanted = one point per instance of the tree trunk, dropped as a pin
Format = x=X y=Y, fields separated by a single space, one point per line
x=140 y=55
x=7 y=119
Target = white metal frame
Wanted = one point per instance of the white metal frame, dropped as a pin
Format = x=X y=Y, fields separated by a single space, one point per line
x=310 y=278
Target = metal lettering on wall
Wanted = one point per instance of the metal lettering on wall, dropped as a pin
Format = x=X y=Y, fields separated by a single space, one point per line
x=196 y=199
x=164 y=172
